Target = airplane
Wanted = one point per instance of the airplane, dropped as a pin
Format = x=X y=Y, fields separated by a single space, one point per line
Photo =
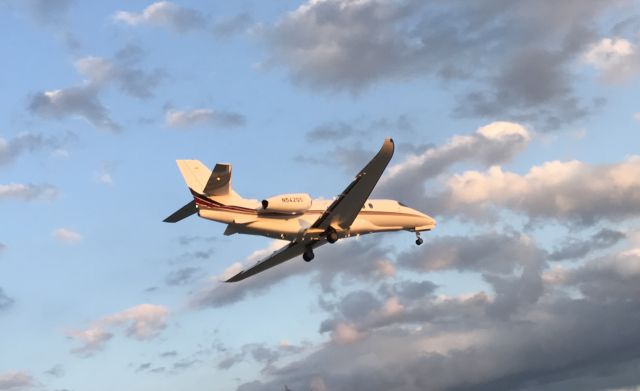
x=306 y=223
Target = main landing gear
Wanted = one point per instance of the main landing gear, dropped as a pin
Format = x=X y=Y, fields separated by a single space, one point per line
x=308 y=255
x=419 y=240
x=332 y=235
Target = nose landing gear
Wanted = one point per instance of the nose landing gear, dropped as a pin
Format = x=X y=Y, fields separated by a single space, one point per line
x=419 y=240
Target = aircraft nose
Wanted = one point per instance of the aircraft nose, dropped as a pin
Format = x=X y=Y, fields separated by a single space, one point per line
x=428 y=220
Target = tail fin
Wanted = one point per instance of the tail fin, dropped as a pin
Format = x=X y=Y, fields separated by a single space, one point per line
x=202 y=180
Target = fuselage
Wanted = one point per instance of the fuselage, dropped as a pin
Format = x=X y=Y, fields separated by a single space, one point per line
x=245 y=216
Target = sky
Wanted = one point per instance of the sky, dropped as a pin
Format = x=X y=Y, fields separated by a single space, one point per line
x=517 y=126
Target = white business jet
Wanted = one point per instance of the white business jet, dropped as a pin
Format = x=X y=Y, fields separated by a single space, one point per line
x=306 y=223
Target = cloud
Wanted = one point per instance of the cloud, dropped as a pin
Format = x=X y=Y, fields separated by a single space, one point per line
x=5 y=301
x=364 y=257
x=49 y=11
x=15 y=380
x=617 y=59
x=164 y=14
x=122 y=71
x=182 y=276
x=495 y=143
x=609 y=278
x=80 y=102
x=144 y=321
x=488 y=252
x=519 y=57
x=234 y=25
x=204 y=117
x=25 y=142
x=572 y=191
x=443 y=343
x=66 y=235
x=28 y=192
x=573 y=248
x=358 y=129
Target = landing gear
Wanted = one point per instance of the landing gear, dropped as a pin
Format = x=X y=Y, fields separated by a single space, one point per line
x=308 y=255
x=332 y=235
x=419 y=240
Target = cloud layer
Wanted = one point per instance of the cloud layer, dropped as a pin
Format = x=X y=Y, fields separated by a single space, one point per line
x=518 y=57
x=144 y=321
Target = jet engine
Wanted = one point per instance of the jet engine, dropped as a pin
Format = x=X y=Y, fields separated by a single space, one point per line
x=287 y=203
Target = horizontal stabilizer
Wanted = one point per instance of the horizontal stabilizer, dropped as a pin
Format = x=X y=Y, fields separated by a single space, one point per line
x=182 y=213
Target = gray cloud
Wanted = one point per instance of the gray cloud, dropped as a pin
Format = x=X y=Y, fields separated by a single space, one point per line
x=462 y=344
x=182 y=276
x=204 y=117
x=56 y=371
x=5 y=301
x=519 y=54
x=359 y=129
x=28 y=192
x=608 y=279
x=122 y=71
x=50 y=12
x=234 y=25
x=364 y=255
x=577 y=248
x=25 y=142
x=84 y=101
x=73 y=101
x=489 y=252
x=165 y=14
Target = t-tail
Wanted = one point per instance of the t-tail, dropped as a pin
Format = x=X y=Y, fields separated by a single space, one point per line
x=204 y=183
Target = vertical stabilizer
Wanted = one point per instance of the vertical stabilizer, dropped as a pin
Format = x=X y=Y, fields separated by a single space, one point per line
x=195 y=174
x=219 y=183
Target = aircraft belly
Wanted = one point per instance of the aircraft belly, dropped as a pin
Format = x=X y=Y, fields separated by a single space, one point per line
x=289 y=229
x=220 y=216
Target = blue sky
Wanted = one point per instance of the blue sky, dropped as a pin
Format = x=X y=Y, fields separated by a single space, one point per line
x=516 y=124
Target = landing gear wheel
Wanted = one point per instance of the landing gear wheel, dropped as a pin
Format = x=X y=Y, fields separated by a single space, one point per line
x=308 y=255
x=332 y=236
x=419 y=240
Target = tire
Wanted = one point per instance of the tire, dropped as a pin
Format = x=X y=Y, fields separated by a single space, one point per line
x=332 y=236
x=308 y=256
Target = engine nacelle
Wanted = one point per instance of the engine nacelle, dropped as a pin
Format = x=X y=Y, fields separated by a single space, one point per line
x=287 y=203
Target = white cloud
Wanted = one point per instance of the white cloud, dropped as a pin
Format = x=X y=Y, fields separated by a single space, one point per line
x=164 y=14
x=344 y=333
x=386 y=268
x=66 y=235
x=144 y=321
x=28 y=192
x=616 y=58
x=572 y=190
x=495 y=143
x=392 y=307
x=15 y=380
x=203 y=117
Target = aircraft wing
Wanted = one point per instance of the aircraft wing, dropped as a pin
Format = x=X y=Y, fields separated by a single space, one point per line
x=286 y=253
x=344 y=210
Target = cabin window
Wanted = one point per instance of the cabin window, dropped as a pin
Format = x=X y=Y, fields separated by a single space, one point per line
x=370 y=205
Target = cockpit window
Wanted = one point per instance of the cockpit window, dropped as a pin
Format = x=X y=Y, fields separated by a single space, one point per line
x=370 y=205
x=401 y=204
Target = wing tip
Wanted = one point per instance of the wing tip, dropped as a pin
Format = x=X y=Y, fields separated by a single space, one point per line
x=236 y=278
